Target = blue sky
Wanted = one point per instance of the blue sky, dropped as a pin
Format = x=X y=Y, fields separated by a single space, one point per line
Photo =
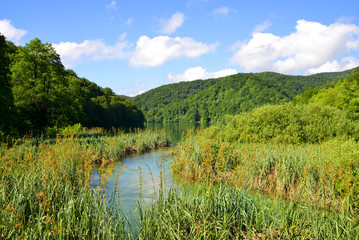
x=134 y=46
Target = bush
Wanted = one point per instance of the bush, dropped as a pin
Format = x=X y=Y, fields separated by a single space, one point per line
x=288 y=123
x=69 y=130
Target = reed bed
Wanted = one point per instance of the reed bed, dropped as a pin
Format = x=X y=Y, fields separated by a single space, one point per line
x=323 y=174
x=226 y=212
x=309 y=189
x=45 y=191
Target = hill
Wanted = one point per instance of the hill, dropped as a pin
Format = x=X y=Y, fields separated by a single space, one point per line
x=209 y=100
x=38 y=94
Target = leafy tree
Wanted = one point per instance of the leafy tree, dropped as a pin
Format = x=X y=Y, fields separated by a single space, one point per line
x=6 y=97
x=39 y=87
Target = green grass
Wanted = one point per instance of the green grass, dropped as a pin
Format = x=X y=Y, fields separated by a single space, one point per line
x=323 y=174
x=45 y=191
x=225 y=212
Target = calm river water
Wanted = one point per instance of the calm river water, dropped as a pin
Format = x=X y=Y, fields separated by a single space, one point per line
x=149 y=163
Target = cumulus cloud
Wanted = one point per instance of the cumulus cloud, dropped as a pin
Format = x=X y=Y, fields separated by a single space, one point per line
x=72 y=53
x=196 y=73
x=10 y=32
x=156 y=51
x=170 y=25
x=311 y=46
x=221 y=11
x=335 y=66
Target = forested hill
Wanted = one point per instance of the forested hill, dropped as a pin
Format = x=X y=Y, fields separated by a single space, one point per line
x=37 y=94
x=209 y=100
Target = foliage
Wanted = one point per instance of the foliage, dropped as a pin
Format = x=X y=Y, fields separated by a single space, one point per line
x=288 y=123
x=69 y=130
x=209 y=100
x=39 y=94
x=343 y=95
x=7 y=112
x=109 y=110
x=39 y=83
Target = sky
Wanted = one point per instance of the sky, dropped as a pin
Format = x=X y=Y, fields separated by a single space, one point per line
x=134 y=46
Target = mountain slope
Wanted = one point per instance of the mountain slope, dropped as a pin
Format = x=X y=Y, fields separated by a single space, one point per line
x=209 y=100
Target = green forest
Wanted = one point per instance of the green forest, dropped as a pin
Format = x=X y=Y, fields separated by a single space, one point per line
x=210 y=100
x=38 y=94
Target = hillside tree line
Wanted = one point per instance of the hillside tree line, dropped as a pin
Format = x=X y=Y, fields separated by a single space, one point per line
x=37 y=92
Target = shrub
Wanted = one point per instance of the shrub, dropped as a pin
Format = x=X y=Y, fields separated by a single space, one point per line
x=288 y=123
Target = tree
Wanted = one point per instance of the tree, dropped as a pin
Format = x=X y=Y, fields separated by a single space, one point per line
x=6 y=97
x=39 y=87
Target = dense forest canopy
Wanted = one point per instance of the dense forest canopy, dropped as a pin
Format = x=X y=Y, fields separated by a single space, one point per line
x=343 y=95
x=210 y=100
x=37 y=93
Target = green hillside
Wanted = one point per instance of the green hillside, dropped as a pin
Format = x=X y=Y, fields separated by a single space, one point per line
x=38 y=94
x=209 y=100
x=343 y=95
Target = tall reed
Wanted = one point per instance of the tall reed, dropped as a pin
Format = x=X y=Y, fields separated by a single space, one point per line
x=45 y=190
x=225 y=212
x=323 y=174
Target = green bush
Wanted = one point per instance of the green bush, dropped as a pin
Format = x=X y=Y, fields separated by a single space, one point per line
x=288 y=123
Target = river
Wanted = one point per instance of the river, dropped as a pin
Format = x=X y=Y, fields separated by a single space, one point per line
x=150 y=166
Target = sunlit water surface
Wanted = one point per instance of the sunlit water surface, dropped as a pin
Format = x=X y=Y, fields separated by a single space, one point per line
x=152 y=168
x=150 y=165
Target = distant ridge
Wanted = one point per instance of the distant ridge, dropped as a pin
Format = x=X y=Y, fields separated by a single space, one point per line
x=209 y=100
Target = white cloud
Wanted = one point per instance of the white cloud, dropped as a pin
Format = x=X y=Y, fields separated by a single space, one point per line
x=262 y=27
x=169 y=26
x=221 y=11
x=156 y=51
x=309 y=47
x=112 y=5
x=10 y=32
x=335 y=66
x=72 y=53
x=196 y=73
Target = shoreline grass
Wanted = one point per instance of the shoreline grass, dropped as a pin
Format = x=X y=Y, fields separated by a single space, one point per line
x=226 y=212
x=45 y=191
x=323 y=174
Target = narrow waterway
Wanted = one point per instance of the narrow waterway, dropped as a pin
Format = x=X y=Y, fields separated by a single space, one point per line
x=151 y=171
x=152 y=166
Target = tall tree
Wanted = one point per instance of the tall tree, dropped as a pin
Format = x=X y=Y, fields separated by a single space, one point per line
x=39 y=86
x=6 y=97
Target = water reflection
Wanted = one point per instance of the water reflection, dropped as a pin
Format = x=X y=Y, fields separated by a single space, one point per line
x=129 y=185
x=176 y=129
